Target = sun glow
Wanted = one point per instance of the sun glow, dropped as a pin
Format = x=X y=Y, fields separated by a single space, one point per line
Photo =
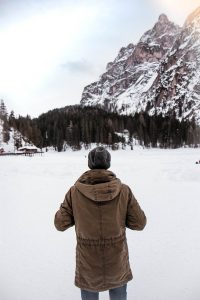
x=177 y=8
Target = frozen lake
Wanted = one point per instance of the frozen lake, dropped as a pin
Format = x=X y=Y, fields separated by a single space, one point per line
x=38 y=262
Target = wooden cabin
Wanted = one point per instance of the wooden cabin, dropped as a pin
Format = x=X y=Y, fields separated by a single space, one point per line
x=29 y=150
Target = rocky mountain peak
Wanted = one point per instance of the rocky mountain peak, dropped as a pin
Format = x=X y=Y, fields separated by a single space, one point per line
x=134 y=64
x=163 y=18
x=159 y=74
x=164 y=26
x=162 y=32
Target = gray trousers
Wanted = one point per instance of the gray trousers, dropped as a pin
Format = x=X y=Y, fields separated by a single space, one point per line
x=118 y=293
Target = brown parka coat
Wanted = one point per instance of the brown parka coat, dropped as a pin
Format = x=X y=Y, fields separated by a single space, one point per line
x=101 y=208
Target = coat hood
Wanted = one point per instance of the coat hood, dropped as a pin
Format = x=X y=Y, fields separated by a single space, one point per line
x=99 y=185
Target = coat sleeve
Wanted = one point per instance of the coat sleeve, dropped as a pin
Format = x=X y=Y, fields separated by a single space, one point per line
x=64 y=217
x=135 y=217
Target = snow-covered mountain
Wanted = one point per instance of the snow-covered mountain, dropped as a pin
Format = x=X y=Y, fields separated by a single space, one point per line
x=177 y=85
x=159 y=74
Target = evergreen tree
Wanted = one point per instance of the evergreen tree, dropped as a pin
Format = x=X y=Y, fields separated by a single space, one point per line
x=77 y=126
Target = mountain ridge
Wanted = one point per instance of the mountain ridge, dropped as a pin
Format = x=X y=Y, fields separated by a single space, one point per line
x=158 y=74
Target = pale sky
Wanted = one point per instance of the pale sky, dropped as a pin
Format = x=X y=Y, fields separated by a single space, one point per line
x=51 y=49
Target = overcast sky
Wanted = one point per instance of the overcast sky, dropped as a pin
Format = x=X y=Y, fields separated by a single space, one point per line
x=51 y=49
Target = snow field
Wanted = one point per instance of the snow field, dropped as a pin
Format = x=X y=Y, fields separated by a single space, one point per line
x=38 y=262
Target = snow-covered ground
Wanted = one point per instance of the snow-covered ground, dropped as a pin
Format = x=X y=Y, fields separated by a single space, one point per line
x=37 y=262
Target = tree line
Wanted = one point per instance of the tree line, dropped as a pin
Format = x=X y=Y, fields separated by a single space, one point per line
x=77 y=126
